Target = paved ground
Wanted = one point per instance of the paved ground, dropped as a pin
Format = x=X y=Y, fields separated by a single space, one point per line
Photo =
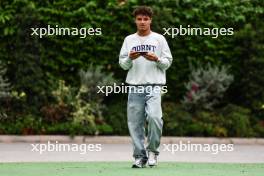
x=22 y=152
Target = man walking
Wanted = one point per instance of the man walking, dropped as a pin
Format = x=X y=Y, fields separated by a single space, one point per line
x=146 y=56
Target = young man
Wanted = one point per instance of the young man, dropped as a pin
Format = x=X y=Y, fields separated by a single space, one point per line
x=146 y=56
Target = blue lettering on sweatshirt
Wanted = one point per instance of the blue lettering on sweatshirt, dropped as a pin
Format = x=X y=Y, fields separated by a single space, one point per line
x=144 y=48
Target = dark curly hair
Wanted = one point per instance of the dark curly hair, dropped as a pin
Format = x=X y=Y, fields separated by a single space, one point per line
x=143 y=10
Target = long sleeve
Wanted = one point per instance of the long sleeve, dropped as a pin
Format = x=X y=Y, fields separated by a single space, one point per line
x=124 y=61
x=141 y=71
x=165 y=60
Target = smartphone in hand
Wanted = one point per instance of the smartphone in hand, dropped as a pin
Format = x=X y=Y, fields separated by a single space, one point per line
x=142 y=53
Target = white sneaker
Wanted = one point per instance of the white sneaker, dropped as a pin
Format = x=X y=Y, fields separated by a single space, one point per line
x=152 y=159
x=139 y=163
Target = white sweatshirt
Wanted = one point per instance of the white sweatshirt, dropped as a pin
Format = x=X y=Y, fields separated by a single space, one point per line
x=142 y=71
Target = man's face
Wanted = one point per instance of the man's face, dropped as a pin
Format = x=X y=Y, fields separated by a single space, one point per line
x=143 y=22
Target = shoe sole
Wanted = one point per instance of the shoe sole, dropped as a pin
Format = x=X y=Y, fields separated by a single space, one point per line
x=151 y=166
x=136 y=166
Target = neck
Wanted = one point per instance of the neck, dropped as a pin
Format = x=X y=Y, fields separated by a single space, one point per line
x=144 y=33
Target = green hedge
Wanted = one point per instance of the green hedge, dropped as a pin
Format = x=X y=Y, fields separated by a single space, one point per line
x=36 y=64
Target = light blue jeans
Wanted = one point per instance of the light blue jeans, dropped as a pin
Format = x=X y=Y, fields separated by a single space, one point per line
x=141 y=107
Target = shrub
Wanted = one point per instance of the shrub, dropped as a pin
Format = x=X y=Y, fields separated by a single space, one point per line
x=175 y=118
x=56 y=113
x=230 y=120
x=238 y=121
x=4 y=91
x=91 y=79
x=116 y=114
x=4 y=84
x=206 y=87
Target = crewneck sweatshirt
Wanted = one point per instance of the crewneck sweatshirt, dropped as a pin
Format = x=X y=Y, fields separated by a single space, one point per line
x=140 y=70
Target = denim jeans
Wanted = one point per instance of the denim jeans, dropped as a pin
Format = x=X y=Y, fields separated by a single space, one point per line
x=142 y=107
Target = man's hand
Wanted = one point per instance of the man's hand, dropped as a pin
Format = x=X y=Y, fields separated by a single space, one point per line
x=151 y=56
x=133 y=55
